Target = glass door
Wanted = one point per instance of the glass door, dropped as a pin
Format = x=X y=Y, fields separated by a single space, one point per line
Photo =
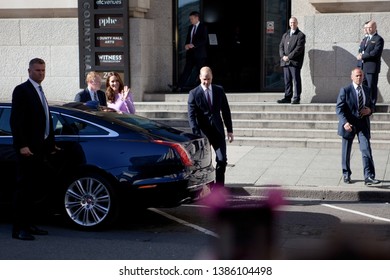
x=276 y=17
x=182 y=10
x=244 y=47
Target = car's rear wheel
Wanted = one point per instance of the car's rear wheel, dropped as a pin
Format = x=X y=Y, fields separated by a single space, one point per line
x=90 y=202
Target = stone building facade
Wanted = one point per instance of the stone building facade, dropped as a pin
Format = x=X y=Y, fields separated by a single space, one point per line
x=49 y=29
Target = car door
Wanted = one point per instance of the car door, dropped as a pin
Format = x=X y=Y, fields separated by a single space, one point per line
x=7 y=157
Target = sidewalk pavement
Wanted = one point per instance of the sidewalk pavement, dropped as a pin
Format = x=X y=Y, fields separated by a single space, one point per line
x=306 y=173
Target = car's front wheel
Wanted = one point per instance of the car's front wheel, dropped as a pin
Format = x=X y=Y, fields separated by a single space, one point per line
x=90 y=202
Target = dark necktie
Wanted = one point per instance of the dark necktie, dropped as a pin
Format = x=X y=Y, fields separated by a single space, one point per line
x=95 y=96
x=46 y=109
x=366 y=41
x=193 y=32
x=360 y=97
x=209 y=98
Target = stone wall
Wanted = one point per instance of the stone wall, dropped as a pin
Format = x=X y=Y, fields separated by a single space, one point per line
x=55 y=40
x=52 y=34
x=331 y=48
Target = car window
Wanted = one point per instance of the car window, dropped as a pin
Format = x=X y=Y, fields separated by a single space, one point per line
x=5 y=128
x=73 y=126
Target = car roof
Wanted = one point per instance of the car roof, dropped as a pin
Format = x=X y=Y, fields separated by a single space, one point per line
x=135 y=122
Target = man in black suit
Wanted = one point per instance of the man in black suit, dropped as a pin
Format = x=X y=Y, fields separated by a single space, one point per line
x=362 y=43
x=33 y=140
x=92 y=92
x=196 y=50
x=354 y=108
x=206 y=103
x=370 y=59
x=292 y=52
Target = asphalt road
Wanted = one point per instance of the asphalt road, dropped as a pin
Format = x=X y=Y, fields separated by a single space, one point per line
x=296 y=229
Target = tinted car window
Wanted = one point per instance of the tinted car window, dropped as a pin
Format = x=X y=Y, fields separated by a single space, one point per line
x=5 y=129
x=73 y=126
x=152 y=127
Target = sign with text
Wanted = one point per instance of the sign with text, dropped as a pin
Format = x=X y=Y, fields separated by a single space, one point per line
x=103 y=37
x=110 y=21
x=109 y=4
x=110 y=59
x=105 y=40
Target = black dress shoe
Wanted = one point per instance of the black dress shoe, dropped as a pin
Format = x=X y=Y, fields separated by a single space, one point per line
x=295 y=102
x=34 y=230
x=347 y=179
x=22 y=235
x=371 y=181
x=284 y=100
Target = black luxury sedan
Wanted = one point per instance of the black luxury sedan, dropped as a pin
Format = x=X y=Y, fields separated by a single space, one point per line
x=110 y=163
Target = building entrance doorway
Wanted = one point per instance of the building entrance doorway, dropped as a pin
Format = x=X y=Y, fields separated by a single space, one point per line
x=244 y=41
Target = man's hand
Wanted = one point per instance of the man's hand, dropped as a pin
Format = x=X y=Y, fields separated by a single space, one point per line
x=366 y=111
x=25 y=151
x=189 y=46
x=348 y=127
x=230 y=137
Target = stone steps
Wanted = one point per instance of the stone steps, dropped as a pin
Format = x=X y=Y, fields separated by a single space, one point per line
x=258 y=120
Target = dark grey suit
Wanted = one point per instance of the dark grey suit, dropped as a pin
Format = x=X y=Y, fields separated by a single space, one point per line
x=209 y=122
x=294 y=47
x=371 y=63
x=84 y=96
x=347 y=111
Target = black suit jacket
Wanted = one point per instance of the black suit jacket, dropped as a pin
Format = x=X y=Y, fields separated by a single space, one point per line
x=209 y=121
x=84 y=96
x=28 y=120
x=347 y=111
x=199 y=40
x=293 y=47
x=372 y=54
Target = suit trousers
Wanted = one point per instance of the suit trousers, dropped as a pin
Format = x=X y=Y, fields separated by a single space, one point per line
x=292 y=80
x=365 y=149
x=219 y=146
x=29 y=182
x=191 y=62
x=371 y=80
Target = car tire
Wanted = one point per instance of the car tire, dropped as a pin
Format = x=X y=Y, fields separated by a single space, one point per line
x=90 y=202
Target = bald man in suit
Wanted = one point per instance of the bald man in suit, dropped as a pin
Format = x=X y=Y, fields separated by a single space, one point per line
x=370 y=58
x=354 y=120
x=206 y=104
x=292 y=53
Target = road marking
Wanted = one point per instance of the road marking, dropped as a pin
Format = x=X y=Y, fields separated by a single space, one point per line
x=185 y=223
x=358 y=213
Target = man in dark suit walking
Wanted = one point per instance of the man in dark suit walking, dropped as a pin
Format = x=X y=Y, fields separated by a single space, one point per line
x=354 y=108
x=92 y=92
x=196 y=50
x=206 y=103
x=370 y=59
x=33 y=140
x=292 y=52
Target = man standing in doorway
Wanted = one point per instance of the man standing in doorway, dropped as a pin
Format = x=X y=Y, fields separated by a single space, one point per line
x=196 y=51
x=371 y=59
x=292 y=52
